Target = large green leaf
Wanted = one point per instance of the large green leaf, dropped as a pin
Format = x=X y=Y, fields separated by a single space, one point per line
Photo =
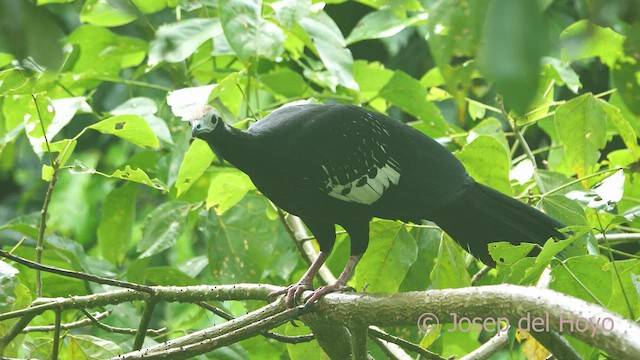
x=515 y=39
x=132 y=128
x=116 y=224
x=100 y=52
x=177 y=41
x=228 y=189
x=383 y=23
x=408 y=94
x=329 y=44
x=594 y=274
x=487 y=160
x=249 y=35
x=162 y=228
x=244 y=245
x=581 y=124
x=583 y=40
x=450 y=270
x=392 y=250
x=108 y=12
x=197 y=159
x=90 y=347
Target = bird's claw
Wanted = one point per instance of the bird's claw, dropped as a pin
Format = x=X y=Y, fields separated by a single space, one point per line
x=324 y=290
x=293 y=292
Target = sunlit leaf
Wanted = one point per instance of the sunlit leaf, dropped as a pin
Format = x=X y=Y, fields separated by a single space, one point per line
x=392 y=252
x=382 y=23
x=581 y=125
x=108 y=12
x=487 y=161
x=583 y=40
x=197 y=159
x=132 y=128
x=228 y=189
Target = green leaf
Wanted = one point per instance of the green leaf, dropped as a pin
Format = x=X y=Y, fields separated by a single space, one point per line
x=47 y=172
x=289 y=12
x=162 y=228
x=550 y=249
x=593 y=273
x=168 y=276
x=625 y=130
x=487 y=160
x=450 y=270
x=506 y=254
x=91 y=347
x=371 y=78
x=515 y=39
x=139 y=176
x=100 y=52
x=302 y=350
x=583 y=40
x=116 y=223
x=383 y=23
x=626 y=77
x=145 y=107
x=228 y=189
x=454 y=29
x=392 y=251
x=8 y=284
x=37 y=120
x=108 y=12
x=626 y=288
x=249 y=35
x=581 y=124
x=132 y=128
x=286 y=82
x=408 y=94
x=196 y=161
x=329 y=44
x=177 y=41
x=244 y=245
x=31 y=32
x=563 y=73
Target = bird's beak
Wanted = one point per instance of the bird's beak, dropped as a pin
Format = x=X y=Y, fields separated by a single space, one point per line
x=196 y=125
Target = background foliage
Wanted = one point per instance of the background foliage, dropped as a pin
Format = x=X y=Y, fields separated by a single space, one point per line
x=539 y=99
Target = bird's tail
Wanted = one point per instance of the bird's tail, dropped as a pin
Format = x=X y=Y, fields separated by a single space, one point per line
x=483 y=215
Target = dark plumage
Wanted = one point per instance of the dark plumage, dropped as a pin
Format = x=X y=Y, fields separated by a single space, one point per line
x=341 y=164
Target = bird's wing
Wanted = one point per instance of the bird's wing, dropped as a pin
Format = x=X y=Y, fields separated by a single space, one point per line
x=352 y=155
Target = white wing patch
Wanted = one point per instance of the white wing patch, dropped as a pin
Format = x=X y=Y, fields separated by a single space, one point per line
x=365 y=190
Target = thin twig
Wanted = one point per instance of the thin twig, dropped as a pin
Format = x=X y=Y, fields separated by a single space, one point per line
x=477 y=276
x=47 y=199
x=376 y=332
x=56 y=335
x=113 y=329
x=282 y=338
x=147 y=314
x=76 y=274
x=68 y=326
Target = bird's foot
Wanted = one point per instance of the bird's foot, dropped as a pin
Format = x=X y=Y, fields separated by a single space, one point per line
x=293 y=292
x=324 y=290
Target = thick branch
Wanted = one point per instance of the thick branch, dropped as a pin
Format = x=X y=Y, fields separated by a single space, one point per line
x=561 y=313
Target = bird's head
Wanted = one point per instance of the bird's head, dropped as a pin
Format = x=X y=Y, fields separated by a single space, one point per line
x=203 y=121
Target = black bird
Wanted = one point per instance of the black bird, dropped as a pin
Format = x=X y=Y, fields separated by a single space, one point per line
x=342 y=164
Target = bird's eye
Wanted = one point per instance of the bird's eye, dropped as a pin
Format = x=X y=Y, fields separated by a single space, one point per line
x=198 y=126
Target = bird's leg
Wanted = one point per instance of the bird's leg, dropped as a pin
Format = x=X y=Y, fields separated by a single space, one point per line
x=305 y=283
x=340 y=284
